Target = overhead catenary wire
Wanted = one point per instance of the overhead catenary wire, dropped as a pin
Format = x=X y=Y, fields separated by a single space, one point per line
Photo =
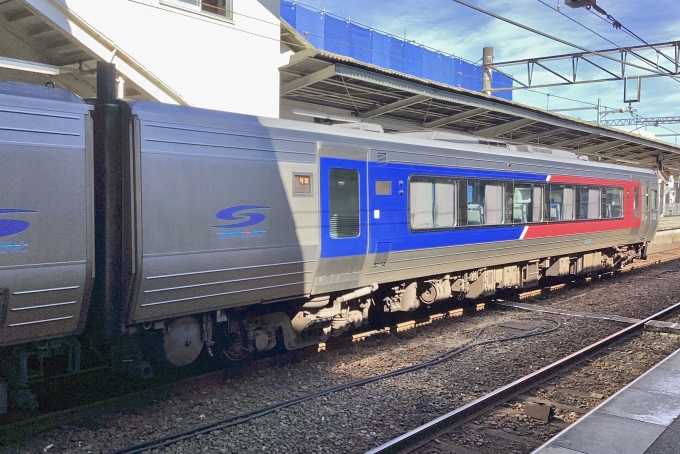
x=554 y=38
x=640 y=57
x=616 y=24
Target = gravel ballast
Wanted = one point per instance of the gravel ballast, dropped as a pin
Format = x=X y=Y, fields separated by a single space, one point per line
x=358 y=419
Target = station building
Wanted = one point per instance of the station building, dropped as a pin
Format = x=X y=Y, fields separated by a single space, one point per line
x=280 y=58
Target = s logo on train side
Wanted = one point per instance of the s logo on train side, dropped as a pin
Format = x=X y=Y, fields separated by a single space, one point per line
x=11 y=227
x=243 y=216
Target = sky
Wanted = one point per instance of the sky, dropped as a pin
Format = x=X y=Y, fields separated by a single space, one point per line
x=457 y=29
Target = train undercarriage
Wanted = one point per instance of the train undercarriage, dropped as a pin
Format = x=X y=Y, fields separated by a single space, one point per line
x=235 y=334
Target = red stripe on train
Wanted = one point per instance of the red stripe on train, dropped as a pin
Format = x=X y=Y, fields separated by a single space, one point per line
x=590 y=181
x=576 y=227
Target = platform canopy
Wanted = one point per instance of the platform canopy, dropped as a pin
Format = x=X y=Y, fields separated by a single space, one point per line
x=402 y=102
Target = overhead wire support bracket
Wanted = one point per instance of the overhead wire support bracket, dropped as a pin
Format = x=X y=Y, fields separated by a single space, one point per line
x=554 y=38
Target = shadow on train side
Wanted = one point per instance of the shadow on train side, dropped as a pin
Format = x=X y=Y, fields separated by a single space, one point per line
x=185 y=214
x=195 y=229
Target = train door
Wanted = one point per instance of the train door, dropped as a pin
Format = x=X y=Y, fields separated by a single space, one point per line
x=636 y=232
x=653 y=209
x=650 y=214
x=343 y=177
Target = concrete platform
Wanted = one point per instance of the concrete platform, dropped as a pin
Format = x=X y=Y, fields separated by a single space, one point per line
x=642 y=418
x=669 y=223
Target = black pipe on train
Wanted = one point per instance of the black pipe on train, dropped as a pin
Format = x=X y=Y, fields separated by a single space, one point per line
x=104 y=320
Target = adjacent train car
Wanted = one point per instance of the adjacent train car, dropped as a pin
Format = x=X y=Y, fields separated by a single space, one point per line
x=46 y=213
x=230 y=233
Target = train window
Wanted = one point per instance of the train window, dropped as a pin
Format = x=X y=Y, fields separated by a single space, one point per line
x=653 y=200
x=486 y=203
x=611 y=203
x=581 y=203
x=538 y=198
x=302 y=184
x=383 y=187
x=527 y=203
x=588 y=201
x=432 y=203
x=636 y=203
x=645 y=201
x=561 y=203
x=344 y=203
x=593 y=203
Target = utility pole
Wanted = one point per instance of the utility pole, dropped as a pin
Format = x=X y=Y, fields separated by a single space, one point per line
x=487 y=64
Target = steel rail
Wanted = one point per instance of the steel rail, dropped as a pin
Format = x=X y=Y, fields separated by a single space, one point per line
x=445 y=423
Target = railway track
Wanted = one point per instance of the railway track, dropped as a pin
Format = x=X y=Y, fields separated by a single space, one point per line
x=71 y=416
x=428 y=434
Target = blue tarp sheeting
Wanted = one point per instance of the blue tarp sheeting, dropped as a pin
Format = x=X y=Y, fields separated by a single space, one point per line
x=336 y=35
x=432 y=65
x=501 y=81
x=360 y=43
x=381 y=50
x=339 y=36
x=413 y=59
x=397 y=55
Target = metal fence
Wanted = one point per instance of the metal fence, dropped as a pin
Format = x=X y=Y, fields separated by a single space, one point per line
x=671 y=209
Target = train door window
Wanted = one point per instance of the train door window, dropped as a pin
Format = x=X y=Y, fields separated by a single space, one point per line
x=611 y=203
x=636 y=203
x=645 y=200
x=344 y=203
x=653 y=201
x=432 y=203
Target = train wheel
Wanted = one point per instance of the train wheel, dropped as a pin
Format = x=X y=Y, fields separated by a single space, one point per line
x=230 y=346
x=182 y=341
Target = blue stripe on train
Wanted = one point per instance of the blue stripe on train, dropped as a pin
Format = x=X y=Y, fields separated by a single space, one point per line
x=390 y=231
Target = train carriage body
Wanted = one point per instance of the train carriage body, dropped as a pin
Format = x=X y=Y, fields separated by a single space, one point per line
x=46 y=213
x=237 y=210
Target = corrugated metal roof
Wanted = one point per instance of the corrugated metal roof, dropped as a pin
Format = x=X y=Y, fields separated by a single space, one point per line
x=377 y=94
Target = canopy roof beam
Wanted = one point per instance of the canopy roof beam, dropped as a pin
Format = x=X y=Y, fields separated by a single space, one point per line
x=455 y=118
x=502 y=129
x=415 y=99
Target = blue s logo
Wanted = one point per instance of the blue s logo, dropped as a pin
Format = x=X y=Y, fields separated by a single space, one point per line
x=247 y=219
x=12 y=226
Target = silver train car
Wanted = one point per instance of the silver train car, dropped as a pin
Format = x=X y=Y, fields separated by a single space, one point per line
x=159 y=231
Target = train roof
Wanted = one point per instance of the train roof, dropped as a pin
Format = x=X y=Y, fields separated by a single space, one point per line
x=38 y=91
x=439 y=140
